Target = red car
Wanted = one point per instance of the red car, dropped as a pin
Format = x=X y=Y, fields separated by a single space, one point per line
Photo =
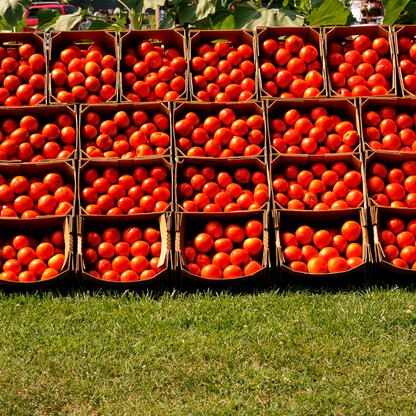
x=62 y=8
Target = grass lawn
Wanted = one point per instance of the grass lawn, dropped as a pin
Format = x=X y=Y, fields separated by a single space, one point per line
x=317 y=352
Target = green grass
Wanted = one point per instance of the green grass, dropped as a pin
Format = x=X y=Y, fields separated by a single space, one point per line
x=270 y=353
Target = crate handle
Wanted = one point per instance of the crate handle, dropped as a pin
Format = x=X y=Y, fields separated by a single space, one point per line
x=12 y=43
x=220 y=40
x=83 y=42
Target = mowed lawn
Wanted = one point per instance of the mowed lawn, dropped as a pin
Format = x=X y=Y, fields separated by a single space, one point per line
x=307 y=352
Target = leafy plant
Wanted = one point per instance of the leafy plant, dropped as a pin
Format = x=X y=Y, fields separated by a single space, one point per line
x=12 y=14
x=394 y=9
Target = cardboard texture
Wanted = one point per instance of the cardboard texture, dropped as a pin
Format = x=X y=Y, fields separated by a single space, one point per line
x=379 y=218
x=346 y=34
x=234 y=37
x=189 y=225
x=165 y=38
x=221 y=165
x=124 y=166
x=39 y=228
x=400 y=31
x=44 y=114
x=344 y=108
x=308 y=34
x=106 y=39
x=162 y=221
x=65 y=168
x=37 y=40
x=352 y=160
x=204 y=110
x=108 y=111
x=321 y=220
x=402 y=105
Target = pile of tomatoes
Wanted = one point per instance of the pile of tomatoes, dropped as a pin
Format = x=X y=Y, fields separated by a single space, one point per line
x=314 y=133
x=319 y=188
x=223 y=73
x=28 y=140
x=361 y=67
x=225 y=251
x=116 y=193
x=125 y=135
x=25 y=259
x=212 y=190
x=22 y=76
x=398 y=242
x=290 y=68
x=84 y=75
x=125 y=256
x=407 y=61
x=29 y=198
x=153 y=73
x=224 y=135
x=323 y=251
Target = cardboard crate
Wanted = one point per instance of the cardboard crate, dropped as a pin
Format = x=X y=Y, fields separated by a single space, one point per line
x=347 y=34
x=44 y=114
x=108 y=111
x=234 y=37
x=204 y=110
x=165 y=38
x=352 y=160
x=162 y=221
x=220 y=165
x=106 y=39
x=402 y=105
x=308 y=34
x=189 y=225
x=400 y=31
x=344 y=108
x=39 y=228
x=37 y=40
x=65 y=168
x=321 y=220
x=124 y=166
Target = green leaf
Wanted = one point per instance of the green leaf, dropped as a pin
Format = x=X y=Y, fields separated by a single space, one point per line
x=100 y=25
x=47 y=17
x=68 y=21
x=192 y=13
x=14 y=10
x=168 y=22
x=140 y=6
x=223 y=19
x=409 y=16
x=248 y=15
x=4 y=27
x=331 y=13
x=393 y=8
x=19 y=27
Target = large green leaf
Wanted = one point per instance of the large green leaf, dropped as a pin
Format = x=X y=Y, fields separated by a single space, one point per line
x=393 y=8
x=192 y=13
x=248 y=15
x=409 y=16
x=331 y=13
x=223 y=19
x=140 y=6
x=168 y=22
x=68 y=21
x=3 y=25
x=14 y=10
x=100 y=25
x=19 y=27
x=47 y=17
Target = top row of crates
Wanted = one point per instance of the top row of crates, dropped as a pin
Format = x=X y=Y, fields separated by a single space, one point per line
x=121 y=84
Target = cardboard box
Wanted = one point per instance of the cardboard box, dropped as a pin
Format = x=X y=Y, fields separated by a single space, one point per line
x=162 y=221
x=400 y=31
x=39 y=228
x=204 y=110
x=344 y=108
x=165 y=38
x=221 y=165
x=402 y=105
x=234 y=37
x=308 y=34
x=64 y=168
x=321 y=220
x=37 y=40
x=106 y=39
x=124 y=166
x=189 y=225
x=44 y=114
x=352 y=160
x=108 y=111
x=347 y=34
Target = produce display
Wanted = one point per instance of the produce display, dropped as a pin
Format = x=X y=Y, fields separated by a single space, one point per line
x=323 y=251
x=225 y=251
x=320 y=188
x=22 y=75
x=28 y=140
x=290 y=68
x=212 y=190
x=128 y=255
x=27 y=259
